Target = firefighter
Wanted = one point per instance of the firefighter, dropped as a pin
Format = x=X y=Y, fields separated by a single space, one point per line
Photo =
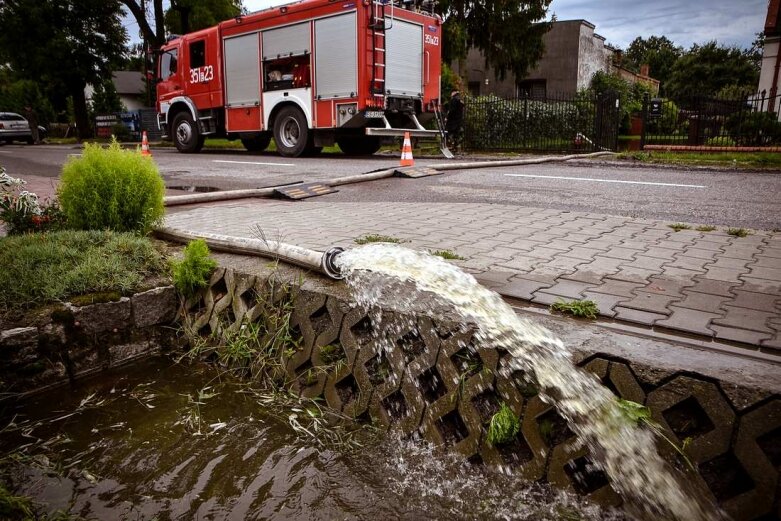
x=455 y=120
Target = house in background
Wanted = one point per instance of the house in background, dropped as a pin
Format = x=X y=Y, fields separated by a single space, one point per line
x=771 y=58
x=131 y=88
x=573 y=54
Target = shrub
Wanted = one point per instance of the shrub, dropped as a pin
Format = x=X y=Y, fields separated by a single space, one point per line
x=111 y=189
x=577 y=308
x=193 y=271
x=754 y=129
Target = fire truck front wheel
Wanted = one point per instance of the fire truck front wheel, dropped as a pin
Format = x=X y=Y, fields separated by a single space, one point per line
x=187 y=138
x=291 y=132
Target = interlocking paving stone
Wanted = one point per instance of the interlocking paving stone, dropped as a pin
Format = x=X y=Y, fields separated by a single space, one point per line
x=651 y=302
x=630 y=274
x=713 y=287
x=774 y=343
x=689 y=320
x=745 y=319
x=605 y=303
x=761 y=286
x=638 y=317
x=546 y=299
x=702 y=302
x=693 y=276
x=758 y=301
x=521 y=288
x=740 y=335
x=725 y=274
x=569 y=288
x=759 y=272
x=619 y=288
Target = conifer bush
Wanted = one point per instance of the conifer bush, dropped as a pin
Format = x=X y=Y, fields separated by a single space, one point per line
x=193 y=271
x=111 y=189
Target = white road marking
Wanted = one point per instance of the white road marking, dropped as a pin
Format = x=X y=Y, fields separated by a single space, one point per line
x=604 y=180
x=253 y=163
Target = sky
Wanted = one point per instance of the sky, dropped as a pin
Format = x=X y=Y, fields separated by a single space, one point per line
x=732 y=22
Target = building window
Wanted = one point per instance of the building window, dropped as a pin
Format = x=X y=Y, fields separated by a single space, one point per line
x=197 y=54
x=533 y=89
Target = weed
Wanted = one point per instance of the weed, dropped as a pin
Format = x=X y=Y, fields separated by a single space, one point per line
x=14 y=507
x=111 y=189
x=705 y=228
x=679 y=226
x=504 y=426
x=332 y=354
x=447 y=255
x=638 y=414
x=738 y=232
x=577 y=308
x=46 y=268
x=367 y=239
x=193 y=271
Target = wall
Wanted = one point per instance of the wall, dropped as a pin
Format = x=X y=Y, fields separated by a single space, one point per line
x=769 y=56
x=418 y=374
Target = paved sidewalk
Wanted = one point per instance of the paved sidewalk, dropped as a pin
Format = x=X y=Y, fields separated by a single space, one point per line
x=639 y=271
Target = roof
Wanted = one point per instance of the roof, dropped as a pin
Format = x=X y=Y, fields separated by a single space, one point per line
x=129 y=82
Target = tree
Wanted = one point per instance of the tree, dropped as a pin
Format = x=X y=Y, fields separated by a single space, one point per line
x=630 y=95
x=182 y=17
x=658 y=52
x=507 y=32
x=709 y=68
x=105 y=99
x=64 y=44
x=191 y=15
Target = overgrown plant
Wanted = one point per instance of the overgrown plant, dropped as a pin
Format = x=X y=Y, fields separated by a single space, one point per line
x=577 y=308
x=679 y=226
x=372 y=237
x=112 y=189
x=193 y=271
x=504 y=426
x=447 y=255
x=705 y=228
x=738 y=232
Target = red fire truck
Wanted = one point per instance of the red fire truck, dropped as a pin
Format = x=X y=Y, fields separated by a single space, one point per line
x=309 y=74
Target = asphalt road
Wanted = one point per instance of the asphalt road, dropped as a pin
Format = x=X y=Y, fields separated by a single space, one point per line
x=726 y=198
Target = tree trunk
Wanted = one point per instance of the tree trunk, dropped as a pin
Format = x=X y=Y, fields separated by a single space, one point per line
x=83 y=127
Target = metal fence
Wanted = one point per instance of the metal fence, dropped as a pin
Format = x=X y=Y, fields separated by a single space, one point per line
x=748 y=121
x=582 y=123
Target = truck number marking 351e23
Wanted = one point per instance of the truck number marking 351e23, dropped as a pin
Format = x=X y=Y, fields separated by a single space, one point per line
x=432 y=40
x=202 y=74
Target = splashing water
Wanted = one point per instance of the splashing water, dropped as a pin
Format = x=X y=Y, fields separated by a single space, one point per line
x=625 y=452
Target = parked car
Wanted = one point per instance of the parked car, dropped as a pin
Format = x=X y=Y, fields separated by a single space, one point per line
x=14 y=127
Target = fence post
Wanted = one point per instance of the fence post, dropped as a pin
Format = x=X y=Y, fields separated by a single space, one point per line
x=644 y=119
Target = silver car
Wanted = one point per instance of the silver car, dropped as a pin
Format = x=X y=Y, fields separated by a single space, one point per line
x=14 y=127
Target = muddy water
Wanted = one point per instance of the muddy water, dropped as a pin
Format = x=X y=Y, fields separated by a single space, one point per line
x=168 y=441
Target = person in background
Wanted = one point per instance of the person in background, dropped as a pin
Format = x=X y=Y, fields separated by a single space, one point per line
x=455 y=120
x=32 y=119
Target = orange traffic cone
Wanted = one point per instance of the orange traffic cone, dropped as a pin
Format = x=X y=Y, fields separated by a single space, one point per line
x=145 y=145
x=406 y=152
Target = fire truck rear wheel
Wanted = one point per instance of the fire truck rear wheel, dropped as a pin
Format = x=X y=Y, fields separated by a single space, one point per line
x=187 y=137
x=257 y=144
x=359 y=146
x=291 y=133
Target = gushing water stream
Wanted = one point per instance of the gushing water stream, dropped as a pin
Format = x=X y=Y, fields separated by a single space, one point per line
x=624 y=451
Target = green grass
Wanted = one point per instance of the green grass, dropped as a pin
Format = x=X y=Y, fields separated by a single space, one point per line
x=447 y=255
x=15 y=507
x=577 y=308
x=760 y=160
x=504 y=426
x=679 y=226
x=40 y=268
x=738 y=232
x=227 y=144
x=373 y=237
x=705 y=228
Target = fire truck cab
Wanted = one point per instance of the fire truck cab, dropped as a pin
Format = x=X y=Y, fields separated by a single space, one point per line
x=309 y=74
